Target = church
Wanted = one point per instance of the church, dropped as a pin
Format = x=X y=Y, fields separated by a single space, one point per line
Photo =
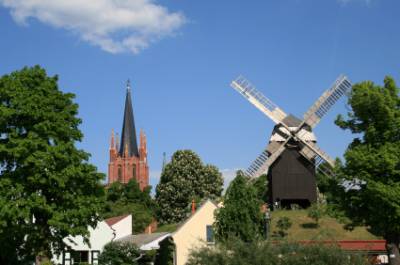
x=127 y=160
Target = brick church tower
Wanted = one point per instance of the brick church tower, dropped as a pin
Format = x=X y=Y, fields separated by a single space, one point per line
x=127 y=161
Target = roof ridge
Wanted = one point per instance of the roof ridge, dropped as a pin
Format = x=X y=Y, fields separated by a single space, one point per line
x=113 y=220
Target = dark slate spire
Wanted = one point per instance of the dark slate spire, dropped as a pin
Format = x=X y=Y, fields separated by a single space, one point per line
x=128 y=135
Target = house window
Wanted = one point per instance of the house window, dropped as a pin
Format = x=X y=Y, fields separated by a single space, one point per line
x=119 y=173
x=95 y=257
x=66 y=258
x=209 y=234
x=134 y=171
x=80 y=256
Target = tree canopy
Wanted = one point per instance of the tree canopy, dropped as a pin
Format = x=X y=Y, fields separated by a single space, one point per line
x=372 y=161
x=129 y=199
x=48 y=190
x=240 y=215
x=184 y=179
x=261 y=186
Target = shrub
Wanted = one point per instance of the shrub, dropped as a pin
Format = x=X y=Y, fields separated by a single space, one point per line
x=315 y=212
x=263 y=253
x=283 y=225
x=119 y=253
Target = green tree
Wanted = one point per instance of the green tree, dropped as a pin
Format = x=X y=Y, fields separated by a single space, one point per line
x=240 y=215
x=261 y=186
x=315 y=212
x=119 y=253
x=129 y=199
x=283 y=225
x=183 y=179
x=372 y=161
x=48 y=190
x=165 y=254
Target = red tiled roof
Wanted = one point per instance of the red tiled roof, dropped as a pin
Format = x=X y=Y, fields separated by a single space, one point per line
x=113 y=220
x=354 y=245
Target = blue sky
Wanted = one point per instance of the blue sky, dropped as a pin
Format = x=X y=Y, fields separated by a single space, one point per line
x=182 y=55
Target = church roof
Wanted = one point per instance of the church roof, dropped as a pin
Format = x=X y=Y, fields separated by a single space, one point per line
x=128 y=135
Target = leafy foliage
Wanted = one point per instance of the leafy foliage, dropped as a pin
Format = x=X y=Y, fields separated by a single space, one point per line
x=48 y=190
x=261 y=186
x=129 y=199
x=165 y=254
x=183 y=179
x=241 y=214
x=372 y=167
x=283 y=225
x=315 y=212
x=236 y=252
x=119 y=253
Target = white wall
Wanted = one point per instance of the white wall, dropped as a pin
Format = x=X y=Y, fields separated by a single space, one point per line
x=123 y=227
x=99 y=237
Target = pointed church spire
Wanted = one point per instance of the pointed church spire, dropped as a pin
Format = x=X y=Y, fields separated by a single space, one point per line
x=112 y=144
x=128 y=136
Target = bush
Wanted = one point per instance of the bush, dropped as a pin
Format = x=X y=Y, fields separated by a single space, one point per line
x=315 y=212
x=165 y=254
x=283 y=225
x=119 y=253
x=263 y=253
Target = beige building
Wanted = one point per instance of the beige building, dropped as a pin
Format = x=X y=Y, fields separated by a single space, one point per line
x=195 y=232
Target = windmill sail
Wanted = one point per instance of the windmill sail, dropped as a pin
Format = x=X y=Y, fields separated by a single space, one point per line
x=264 y=160
x=326 y=101
x=257 y=165
x=265 y=105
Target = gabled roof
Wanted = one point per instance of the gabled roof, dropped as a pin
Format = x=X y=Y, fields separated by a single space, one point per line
x=193 y=215
x=143 y=239
x=113 y=220
x=128 y=135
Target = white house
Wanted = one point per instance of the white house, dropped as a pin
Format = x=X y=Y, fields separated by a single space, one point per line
x=106 y=231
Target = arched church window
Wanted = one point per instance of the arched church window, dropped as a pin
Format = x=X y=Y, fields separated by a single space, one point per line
x=119 y=173
x=134 y=171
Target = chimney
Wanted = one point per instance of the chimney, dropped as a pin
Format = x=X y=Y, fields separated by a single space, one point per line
x=193 y=206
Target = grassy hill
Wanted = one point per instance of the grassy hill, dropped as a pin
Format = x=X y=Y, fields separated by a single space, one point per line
x=303 y=228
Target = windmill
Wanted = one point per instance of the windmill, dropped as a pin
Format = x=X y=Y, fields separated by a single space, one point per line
x=292 y=155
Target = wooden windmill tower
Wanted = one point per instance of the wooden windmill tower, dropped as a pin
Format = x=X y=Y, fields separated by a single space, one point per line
x=292 y=156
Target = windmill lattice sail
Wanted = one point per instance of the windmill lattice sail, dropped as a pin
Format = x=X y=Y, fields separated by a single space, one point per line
x=311 y=150
x=258 y=164
x=326 y=101
x=265 y=105
x=264 y=160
